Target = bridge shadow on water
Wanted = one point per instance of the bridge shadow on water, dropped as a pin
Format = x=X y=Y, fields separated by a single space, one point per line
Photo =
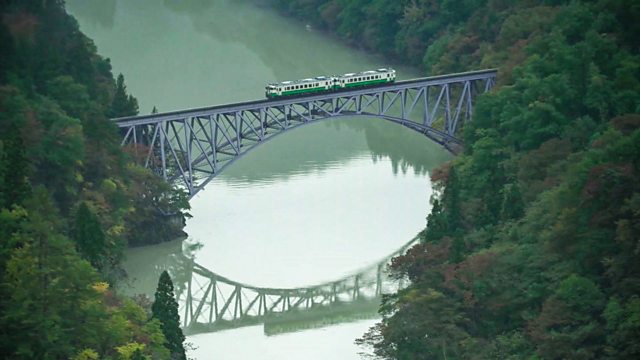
x=297 y=320
x=209 y=302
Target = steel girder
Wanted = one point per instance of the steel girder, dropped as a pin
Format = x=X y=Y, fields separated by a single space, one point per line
x=210 y=302
x=190 y=147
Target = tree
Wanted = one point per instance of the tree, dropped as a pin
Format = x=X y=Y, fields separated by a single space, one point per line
x=14 y=168
x=45 y=288
x=123 y=104
x=165 y=309
x=88 y=235
x=512 y=205
x=138 y=355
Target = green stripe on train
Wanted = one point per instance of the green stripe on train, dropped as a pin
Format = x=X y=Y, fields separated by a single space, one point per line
x=361 y=83
x=302 y=91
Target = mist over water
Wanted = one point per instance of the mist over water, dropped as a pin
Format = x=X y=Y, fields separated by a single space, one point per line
x=311 y=205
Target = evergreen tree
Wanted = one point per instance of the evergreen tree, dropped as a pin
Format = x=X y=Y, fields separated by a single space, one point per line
x=512 y=205
x=14 y=184
x=456 y=253
x=3 y=174
x=123 y=104
x=138 y=355
x=451 y=201
x=165 y=309
x=437 y=225
x=88 y=235
x=45 y=288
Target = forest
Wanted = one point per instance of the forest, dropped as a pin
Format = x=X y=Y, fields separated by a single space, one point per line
x=532 y=249
x=71 y=200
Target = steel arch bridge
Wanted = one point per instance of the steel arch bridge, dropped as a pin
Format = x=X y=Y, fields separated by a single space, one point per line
x=211 y=302
x=190 y=147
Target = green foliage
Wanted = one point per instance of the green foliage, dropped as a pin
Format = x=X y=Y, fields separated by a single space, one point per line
x=512 y=205
x=533 y=235
x=122 y=104
x=165 y=309
x=14 y=170
x=154 y=201
x=66 y=190
x=87 y=354
x=130 y=351
x=88 y=236
x=623 y=328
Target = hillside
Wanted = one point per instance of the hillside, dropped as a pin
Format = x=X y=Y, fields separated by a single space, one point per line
x=71 y=200
x=532 y=249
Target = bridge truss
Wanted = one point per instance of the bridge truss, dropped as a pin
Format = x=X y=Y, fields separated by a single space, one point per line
x=211 y=302
x=190 y=147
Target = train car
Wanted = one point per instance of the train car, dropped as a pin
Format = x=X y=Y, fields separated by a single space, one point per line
x=298 y=87
x=329 y=83
x=365 y=78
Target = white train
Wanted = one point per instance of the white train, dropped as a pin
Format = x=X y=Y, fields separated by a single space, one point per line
x=330 y=83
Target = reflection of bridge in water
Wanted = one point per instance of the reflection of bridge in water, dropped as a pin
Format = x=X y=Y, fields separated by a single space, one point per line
x=211 y=302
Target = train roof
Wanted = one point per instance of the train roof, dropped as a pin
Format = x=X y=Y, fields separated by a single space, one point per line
x=368 y=72
x=300 y=81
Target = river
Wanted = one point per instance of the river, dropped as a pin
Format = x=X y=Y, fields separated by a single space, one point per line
x=310 y=206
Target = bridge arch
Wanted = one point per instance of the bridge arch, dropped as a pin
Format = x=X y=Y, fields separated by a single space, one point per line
x=211 y=302
x=191 y=147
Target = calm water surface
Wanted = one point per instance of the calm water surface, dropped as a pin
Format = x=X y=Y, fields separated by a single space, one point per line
x=312 y=205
